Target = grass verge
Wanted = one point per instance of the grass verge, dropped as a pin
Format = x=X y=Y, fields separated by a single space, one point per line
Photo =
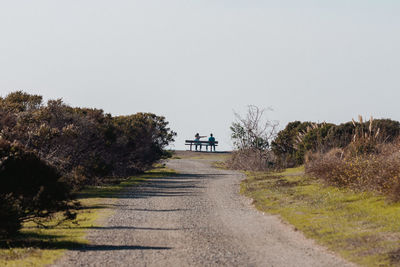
x=36 y=246
x=361 y=227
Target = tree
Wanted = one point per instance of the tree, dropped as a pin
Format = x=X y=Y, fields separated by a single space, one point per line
x=251 y=137
x=253 y=131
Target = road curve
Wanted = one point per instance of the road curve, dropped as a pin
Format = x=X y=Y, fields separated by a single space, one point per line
x=196 y=218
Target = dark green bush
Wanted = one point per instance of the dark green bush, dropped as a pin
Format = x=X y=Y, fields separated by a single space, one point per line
x=340 y=135
x=10 y=221
x=389 y=129
x=29 y=188
x=285 y=147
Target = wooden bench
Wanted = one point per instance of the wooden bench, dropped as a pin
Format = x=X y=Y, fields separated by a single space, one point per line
x=199 y=143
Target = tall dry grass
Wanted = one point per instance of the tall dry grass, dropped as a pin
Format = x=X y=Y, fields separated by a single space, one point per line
x=366 y=164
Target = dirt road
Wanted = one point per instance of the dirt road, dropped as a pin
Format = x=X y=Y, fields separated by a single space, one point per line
x=196 y=218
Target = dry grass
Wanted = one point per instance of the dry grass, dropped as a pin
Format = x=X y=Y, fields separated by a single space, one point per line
x=251 y=160
x=364 y=165
x=361 y=226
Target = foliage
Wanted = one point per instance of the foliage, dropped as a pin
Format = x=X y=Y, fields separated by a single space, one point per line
x=293 y=142
x=50 y=150
x=85 y=144
x=365 y=164
x=19 y=101
x=253 y=132
x=285 y=146
x=29 y=188
x=379 y=171
x=145 y=136
x=340 y=135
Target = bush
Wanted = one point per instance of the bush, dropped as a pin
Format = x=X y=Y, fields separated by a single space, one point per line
x=340 y=135
x=10 y=221
x=251 y=160
x=29 y=188
x=373 y=170
x=284 y=145
x=48 y=150
x=85 y=144
x=141 y=139
x=251 y=137
x=292 y=143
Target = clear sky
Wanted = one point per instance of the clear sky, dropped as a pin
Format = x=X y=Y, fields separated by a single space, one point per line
x=197 y=61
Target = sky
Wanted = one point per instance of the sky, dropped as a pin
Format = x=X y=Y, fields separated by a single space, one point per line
x=198 y=62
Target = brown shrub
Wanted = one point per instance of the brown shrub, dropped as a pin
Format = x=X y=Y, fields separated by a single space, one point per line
x=377 y=171
x=84 y=144
x=251 y=160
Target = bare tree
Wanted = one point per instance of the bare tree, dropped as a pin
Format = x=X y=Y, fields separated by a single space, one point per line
x=251 y=137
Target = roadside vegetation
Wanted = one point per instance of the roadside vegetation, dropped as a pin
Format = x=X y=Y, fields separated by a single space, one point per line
x=366 y=164
x=50 y=151
x=342 y=187
x=362 y=227
x=251 y=137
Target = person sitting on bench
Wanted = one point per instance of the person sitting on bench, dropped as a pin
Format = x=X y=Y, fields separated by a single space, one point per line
x=211 y=140
x=197 y=140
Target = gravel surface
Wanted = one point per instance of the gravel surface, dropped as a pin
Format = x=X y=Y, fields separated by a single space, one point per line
x=196 y=218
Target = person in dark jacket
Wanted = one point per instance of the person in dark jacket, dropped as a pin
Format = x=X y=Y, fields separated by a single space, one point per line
x=211 y=141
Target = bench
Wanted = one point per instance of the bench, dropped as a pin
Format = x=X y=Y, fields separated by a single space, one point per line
x=199 y=143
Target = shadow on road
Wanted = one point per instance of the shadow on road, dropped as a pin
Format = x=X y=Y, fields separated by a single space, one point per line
x=153 y=210
x=127 y=228
x=43 y=241
x=175 y=185
x=110 y=247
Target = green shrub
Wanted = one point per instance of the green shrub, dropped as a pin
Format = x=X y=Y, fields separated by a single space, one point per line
x=340 y=135
x=292 y=143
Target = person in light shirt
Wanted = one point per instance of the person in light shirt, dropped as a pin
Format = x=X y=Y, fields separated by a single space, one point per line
x=197 y=140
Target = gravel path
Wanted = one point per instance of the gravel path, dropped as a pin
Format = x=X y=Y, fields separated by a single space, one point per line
x=196 y=218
